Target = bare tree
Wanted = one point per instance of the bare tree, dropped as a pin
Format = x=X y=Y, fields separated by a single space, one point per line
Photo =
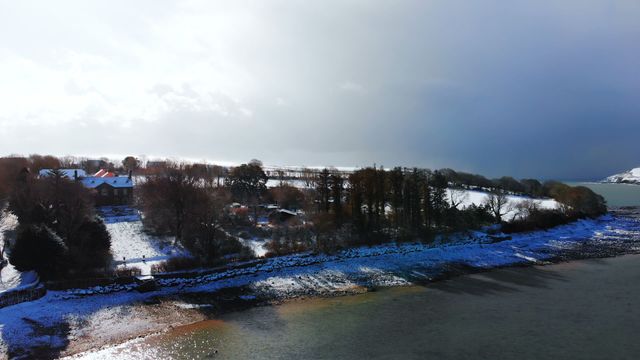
x=498 y=204
x=308 y=176
x=457 y=196
x=525 y=208
x=168 y=198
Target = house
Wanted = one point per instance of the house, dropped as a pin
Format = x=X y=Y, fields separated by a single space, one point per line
x=114 y=190
x=108 y=188
x=71 y=174
x=283 y=217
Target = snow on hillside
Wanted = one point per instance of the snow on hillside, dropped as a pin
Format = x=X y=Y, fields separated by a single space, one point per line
x=632 y=176
x=300 y=184
x=473 y=197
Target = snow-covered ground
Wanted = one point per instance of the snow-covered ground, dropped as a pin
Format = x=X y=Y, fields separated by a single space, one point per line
x=130 y=245
x=469 y=197
x=103 y=313
x=10 y=278
x=300 y=184
x=631 y=176
x=257 y=245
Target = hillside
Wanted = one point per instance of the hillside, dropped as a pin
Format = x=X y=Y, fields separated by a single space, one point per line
x=629 y=177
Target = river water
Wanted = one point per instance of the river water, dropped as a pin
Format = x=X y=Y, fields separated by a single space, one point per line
x=587 y=309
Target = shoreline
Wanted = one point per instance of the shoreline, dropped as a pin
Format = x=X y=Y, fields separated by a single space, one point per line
x=78 y=325
x=179 y=327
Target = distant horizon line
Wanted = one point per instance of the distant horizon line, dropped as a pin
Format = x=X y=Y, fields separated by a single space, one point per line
x=116 y=158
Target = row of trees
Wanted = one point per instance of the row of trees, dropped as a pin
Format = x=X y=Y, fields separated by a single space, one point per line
x=190 y=202
x=368 y=205
x=509 y=184
x=378 y=204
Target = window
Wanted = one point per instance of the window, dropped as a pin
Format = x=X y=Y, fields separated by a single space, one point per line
x=124 y=191
x=104 y=191
x=115 y=192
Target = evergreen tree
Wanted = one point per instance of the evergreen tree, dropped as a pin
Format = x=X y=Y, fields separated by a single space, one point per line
x=38 y=248
x=337 y=187
x=323 y=190
x=396 y=182
x=439 y=202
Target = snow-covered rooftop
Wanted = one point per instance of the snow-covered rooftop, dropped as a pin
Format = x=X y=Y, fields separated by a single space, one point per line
x=116 y=182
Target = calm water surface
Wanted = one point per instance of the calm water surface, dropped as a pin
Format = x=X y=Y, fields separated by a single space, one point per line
x=615 y=194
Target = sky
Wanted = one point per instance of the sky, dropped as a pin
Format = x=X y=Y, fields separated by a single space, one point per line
x=538 y=88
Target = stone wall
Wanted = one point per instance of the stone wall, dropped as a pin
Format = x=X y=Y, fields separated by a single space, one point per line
x=13 y=297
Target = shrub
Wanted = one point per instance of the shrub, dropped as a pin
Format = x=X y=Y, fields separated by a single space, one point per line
x=127 y=271
x=287 y=240
x=38 y=248
x=90 y=246
x=176 y=264
x=538 y=220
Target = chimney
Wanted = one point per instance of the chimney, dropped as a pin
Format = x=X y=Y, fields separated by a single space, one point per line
x=75 y=175
x=130 y=172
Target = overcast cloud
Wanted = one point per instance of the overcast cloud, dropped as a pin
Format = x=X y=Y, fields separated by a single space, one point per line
x=525 y=88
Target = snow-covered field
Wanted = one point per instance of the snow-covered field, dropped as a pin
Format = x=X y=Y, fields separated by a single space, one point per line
x=300 y=184
x=130 y=245
x=469 y=197
x=99 y=317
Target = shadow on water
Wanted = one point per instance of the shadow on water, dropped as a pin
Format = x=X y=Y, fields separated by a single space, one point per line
x=500 y=281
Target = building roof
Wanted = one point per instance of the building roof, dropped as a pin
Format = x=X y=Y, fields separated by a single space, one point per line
x=68 y=173
x=104 y=173
x=284 y=212
x=116 y=181
x=288 y=212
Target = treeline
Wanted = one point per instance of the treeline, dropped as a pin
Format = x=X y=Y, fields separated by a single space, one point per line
x=58 y=233
x=366 y=206
x=377 y=205
x=414 y=201
x=195 y=203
